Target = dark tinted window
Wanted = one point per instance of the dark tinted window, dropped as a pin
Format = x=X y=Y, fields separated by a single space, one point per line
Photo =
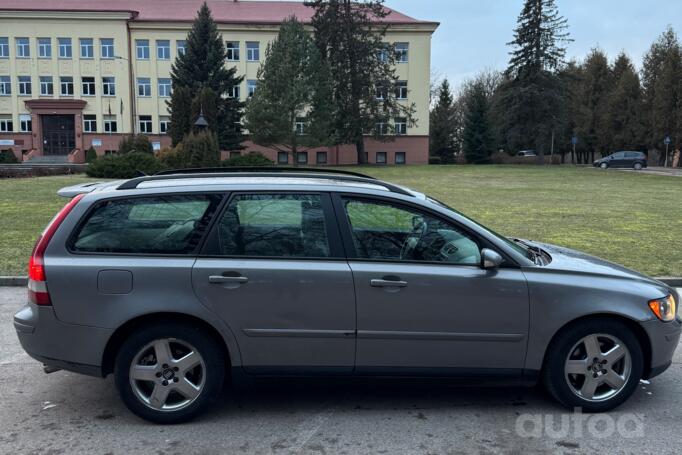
x=619 y=155
x=274 y=225
x=170 y=224
x=634 y=155
x=384 y=231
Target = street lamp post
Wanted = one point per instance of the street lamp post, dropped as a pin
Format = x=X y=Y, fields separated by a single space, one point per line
x=667 y=142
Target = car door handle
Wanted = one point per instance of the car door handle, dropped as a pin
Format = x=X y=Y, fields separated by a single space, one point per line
x=220 y=279
x=380 y=283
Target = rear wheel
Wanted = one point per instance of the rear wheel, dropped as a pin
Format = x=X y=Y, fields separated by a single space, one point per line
x=595 y=365
x=638 y=166
x=169 y=373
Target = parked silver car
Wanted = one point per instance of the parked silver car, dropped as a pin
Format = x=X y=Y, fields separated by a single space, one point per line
x=169 y=282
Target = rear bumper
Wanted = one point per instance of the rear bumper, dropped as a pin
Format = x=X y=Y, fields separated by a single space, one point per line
x=70 y=347
x=664 y=338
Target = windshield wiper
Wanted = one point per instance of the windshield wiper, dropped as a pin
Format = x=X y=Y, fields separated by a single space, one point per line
x=534 y=253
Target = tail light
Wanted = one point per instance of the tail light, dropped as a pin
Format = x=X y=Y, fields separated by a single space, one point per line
x=37 y=284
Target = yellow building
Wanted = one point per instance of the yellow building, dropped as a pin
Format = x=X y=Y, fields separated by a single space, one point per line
x=82 y=73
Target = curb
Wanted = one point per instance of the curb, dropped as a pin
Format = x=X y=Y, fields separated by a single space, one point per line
x=675 y=282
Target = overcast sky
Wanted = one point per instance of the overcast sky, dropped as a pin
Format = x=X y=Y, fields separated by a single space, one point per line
x=473 y=33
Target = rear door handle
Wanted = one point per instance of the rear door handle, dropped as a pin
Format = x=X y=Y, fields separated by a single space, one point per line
x=220 y=279
x=380 y=283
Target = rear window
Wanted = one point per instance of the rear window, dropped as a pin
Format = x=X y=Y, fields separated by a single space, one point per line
x=172 y=224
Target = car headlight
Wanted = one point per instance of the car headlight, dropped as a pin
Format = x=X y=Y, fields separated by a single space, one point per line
x=665 y=309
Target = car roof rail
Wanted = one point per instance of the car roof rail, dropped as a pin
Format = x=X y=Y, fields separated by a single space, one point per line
x=343 y=176
x=277 y=169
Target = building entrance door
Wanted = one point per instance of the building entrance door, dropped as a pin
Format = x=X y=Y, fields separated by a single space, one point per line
x=59 y=134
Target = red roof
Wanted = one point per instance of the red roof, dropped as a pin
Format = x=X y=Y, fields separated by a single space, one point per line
x=224 y=11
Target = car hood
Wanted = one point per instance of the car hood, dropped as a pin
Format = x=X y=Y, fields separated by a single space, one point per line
x=568 y=260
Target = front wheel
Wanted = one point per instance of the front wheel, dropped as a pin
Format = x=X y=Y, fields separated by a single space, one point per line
x=603 y=165
x=596 y=365
x=169 y=373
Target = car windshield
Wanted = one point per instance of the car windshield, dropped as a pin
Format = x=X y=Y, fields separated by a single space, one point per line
x=520 y=247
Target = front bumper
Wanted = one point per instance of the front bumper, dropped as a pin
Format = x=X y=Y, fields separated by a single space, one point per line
x=664 y=338
x=71 y=347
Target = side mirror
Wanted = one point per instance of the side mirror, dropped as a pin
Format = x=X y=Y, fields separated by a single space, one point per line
x=490 y=259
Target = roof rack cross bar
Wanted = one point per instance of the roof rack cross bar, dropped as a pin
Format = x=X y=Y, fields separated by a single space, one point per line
x=231 y=169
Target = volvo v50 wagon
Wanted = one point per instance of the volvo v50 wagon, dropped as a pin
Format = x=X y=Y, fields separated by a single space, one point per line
x=175 y=282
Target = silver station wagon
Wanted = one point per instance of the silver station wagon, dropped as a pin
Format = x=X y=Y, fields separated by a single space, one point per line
x=176 y=282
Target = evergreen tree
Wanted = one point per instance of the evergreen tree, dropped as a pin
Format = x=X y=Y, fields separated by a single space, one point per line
x=624 y=114
x=202 y=66
x=443 y=125
x=478 y=138
x=293 y=88
x=530 y=99
x=350 y=36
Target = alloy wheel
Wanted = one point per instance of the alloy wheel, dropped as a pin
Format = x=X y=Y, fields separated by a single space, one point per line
x=167 y=374
x=598 y=367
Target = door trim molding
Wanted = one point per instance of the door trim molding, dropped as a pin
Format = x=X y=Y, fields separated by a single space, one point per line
x=299 y=333
x=453 y=336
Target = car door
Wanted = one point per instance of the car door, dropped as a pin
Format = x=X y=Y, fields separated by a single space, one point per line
x=618 y=160
x=273 y=268
x=424 y=304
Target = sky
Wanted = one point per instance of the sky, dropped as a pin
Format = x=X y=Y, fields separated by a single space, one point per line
x=473 y=33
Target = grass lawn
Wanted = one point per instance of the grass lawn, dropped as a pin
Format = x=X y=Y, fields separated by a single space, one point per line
x=630 y=218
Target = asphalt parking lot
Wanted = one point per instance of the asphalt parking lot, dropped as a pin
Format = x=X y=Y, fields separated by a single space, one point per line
x=64 y=413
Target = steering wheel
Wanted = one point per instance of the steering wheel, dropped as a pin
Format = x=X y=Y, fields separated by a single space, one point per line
x=419 y=228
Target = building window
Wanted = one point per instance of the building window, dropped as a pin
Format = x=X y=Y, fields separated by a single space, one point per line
x=382 y=92
x=163 y=49
x=87 y=48
x=44 y=47
x=382 y=128
x=142 y=49
x=25 y=123
x=64 y=47
x=321 y=158
x=164 y=87
x=88 y=86
x=302 y=157
x=23 y=48
x=110 y=124
x=5 y=86
x=66 y=86
x=109 y=86
x=381 y=158
x=144 y=86
x=402 y=52
x=90 y=123
x=6 y=125
x=180 y=44
x=282 y=158
x=300 y=126
x=24 y=85
x=400 y=125
x=106 y=48
x=251 y=87
x=232 y=51
x=46 y=86
x=399 y=157
x=401 y=90
x=164 y=123
x=145 y=124
x=233 y=92
x=252 y=51
x=4 y=47
x=383 y=53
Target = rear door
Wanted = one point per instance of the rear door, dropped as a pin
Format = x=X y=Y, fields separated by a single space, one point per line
x=273 y=268
x=424 y=304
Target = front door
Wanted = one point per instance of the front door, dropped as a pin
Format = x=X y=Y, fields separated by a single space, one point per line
x=274 y=270
x=424 y=304
x=59 y=134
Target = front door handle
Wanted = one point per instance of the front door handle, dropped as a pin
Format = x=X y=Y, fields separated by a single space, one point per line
x=381 y=283
x=220 y=279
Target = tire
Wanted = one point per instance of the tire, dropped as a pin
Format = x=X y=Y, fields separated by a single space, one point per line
x=187 y=383
x=603 y=165
x=637 y=166
x=569 y=346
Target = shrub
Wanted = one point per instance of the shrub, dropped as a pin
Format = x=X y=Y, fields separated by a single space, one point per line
x=200 y=150
x=135 y=143
x=90 y=155
x=123 y=166
x=434 y=160
x=250 y=159
x=8 y=157
x=505 y=158
x=171 y=158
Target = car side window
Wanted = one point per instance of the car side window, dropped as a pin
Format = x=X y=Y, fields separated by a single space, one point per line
x=172 y=224
x=386 y=231
x=274 y=225
x=619 y=155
